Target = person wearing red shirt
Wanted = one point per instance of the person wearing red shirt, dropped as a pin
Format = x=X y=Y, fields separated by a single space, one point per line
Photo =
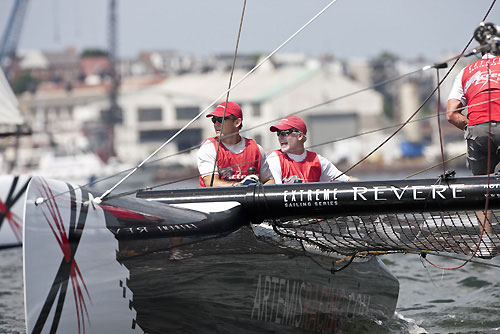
x=480 y=92
x=477 y=87
x=238 y=158
x=292 y=163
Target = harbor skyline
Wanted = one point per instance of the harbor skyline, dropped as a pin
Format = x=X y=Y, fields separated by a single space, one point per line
x=347 y=29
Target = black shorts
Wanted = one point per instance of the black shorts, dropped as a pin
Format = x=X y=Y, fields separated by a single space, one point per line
x=477 y=147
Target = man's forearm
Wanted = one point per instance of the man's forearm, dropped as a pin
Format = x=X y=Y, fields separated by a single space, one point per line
x=217 y=182
x=459 y=120
x=454 y=114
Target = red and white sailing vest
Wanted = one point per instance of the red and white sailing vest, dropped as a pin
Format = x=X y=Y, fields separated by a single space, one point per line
x=475 y=85
x=308 y=170
x=234 y=166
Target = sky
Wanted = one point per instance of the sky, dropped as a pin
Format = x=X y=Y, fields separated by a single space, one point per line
x=433 y=29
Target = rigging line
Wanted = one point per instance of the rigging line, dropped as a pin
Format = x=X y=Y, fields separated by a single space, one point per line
x=488 y=178
x=409 y=118
x=327 y=142
x=436 y=165
x=485 y=219
x=197 y=146
x=107 y=192
x=197 y=175
x=312 y=146
x=439 y=123
x=345 y=96
x=228 y=90
x=381 y=83
x=309 y=108
x=133 y=170
x=392 y=135
x=307 y=147
x=324 y=103
x=461 y=259
x=427 y=99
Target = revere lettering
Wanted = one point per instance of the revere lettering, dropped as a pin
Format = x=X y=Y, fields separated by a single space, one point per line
x=416 y=192
x=359 y=191
x=456 y=189
x=399 y=195
x=438 y=190
x=377 y=190
x=326 y=197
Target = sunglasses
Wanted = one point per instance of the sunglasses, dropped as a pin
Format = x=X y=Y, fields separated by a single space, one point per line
x=220 y=119
x=285 y=133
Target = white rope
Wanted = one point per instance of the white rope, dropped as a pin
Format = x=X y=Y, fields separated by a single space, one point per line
x=107 y=192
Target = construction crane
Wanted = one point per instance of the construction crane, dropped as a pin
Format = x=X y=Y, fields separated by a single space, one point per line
x=8 y=51
x=10 y=38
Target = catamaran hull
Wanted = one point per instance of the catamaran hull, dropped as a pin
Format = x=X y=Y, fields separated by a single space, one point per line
x=236 y=283
x=133 y=266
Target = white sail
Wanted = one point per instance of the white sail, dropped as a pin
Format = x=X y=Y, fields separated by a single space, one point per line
x=9 y=107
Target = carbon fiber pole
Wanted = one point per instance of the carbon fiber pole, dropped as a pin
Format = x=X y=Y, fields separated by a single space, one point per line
x=336 y=199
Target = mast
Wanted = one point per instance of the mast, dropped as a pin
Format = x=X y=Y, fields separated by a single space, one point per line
x=113 y=115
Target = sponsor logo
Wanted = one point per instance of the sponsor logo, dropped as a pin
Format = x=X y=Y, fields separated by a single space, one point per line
x=155 y=229
x=481 y=79
x=305 y=305
x=331 y=197
x=484 y=63
x=230 y=174
x=293 y=179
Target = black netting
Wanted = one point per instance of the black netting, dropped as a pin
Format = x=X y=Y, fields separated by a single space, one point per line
x=451 y=232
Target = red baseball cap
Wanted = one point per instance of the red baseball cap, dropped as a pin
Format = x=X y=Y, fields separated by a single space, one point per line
x=290 y=122
x=231 y=109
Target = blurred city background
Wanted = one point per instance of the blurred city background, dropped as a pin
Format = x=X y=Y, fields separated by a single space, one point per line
x=82 y=112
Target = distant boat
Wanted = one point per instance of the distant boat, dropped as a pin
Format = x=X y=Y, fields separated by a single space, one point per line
x=9 y=106
x=12 y=196
x=12 y=187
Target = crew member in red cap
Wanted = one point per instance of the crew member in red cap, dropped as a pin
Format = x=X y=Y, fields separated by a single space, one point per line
x=292 y=163
x=239 y=160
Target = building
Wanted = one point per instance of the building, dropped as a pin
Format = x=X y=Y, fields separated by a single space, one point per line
x=153 y=111
x=153 y=115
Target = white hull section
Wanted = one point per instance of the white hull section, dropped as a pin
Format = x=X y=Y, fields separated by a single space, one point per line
x=72 y=295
